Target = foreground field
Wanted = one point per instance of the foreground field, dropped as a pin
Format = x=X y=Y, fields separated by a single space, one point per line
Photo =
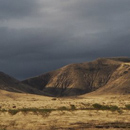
x=31 y=112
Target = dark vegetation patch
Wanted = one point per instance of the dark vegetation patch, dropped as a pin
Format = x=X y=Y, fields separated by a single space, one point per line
x=45 y=112
x=105 y=107
x=26 y=110
x=127 y=106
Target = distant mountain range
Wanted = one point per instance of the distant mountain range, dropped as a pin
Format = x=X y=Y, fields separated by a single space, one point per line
x=102 y=76
x=9 y=83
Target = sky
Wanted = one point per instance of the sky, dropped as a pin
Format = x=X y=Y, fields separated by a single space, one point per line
x=38 y=36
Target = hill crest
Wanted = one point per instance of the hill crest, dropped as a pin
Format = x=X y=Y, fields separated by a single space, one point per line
x=101 y=76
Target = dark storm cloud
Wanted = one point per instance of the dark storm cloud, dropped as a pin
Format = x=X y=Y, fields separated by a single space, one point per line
x=17 y=8
x=37 y=36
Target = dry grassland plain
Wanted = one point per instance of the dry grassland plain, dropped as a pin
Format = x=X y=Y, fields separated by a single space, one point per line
x=86 y=112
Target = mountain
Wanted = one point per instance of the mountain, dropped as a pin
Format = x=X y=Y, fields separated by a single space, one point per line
x=102 y=76
x=9 y=83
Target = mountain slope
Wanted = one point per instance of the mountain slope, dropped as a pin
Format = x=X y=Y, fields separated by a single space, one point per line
x=102 y=75
x=119 y=82
x=9 y=83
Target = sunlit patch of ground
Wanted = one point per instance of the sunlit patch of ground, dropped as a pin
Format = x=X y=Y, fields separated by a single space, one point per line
x=31 y=112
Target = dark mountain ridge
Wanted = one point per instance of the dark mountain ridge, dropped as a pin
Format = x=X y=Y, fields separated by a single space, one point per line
x=102 y=76
x=11 y=84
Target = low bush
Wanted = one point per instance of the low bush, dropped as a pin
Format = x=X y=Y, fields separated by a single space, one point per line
x=97 y=106
x=73 y=107
x=62 y=108
x=26 y=110
x=105 y=107
x=13 y=112
x=114 y=108
x=127 y=106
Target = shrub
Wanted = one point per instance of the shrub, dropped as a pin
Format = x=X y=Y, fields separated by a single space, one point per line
x=97 y=106
x=44 y=112
x=114 y=108
x=127 y=106
x=3 y=110
x=72 y=107
x=13 y=112
x=120 y=111
x=62 y=108
x=34 y=110
x=105 y=107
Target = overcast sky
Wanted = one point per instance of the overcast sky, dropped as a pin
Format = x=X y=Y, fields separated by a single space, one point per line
x=37 y=36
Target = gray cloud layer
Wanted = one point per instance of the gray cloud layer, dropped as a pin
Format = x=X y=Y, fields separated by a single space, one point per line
x=37 y=36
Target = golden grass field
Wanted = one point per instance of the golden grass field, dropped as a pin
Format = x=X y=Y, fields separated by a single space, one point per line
x=32 y=112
